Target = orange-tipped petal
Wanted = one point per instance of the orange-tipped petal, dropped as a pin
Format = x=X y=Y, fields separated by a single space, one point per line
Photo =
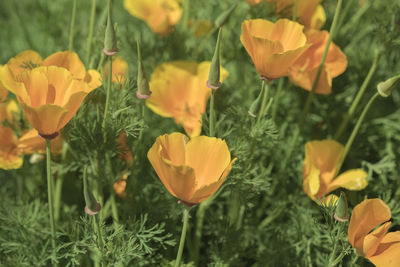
x=68 y=60
x=366 y=216
x=351 y=180
x=371 y=241
x=24 y=61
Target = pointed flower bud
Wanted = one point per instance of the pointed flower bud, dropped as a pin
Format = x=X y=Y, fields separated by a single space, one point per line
x=92 y=205
x=342 y=209
x=214 y=74
x=224 y=17
x=142 y=82
x=110 y=39
x=385 y=88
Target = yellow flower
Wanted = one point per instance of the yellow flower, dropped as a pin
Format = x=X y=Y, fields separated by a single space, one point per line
x=49 y=96
x=273 y=47
x=320 y=166
x=119 y=70
x=368 y=233
x=30 y=143
x=179 y=90
x=303 y=71
x=160 y=15
x=191 y=170
x=10 y=157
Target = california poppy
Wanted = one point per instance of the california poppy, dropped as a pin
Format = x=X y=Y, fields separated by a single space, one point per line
x=119 y=70
x=273 y=47
x=320 y=166
x=160 y=15
x=10 y=157
x=179 y=90
x=190 y=169
x=368 y=233
x=49 y=96
x=304 y=70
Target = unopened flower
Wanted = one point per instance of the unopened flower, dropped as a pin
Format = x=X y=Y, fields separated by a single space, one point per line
x=368 y=233
x=10 y=157
x=190 y=169
x=273 y=47
x=303 y=72
x=179 y=90
x=320 y=166
x=160 y=15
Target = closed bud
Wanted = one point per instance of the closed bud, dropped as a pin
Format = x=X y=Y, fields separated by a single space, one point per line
x=110 y=39
x=385 y=88
x=92 y=205
x=342 y=209
x=142 y=82
x=214 y=75
x=224 y=17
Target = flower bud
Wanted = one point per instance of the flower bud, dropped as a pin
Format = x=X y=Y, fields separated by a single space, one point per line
x=224 y=17
x=142 y=82
x=385 y=88
x=110 y=39
x=342 y=209
x=92 y=205
x=214 y=74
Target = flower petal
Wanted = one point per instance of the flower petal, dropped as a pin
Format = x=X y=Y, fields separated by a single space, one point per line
x=351 y=180
x=68 y=60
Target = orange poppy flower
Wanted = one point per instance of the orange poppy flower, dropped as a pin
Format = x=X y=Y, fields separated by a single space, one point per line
x=30 y=143
x=302 y=73
x=320 y=166
x=273 y=47
x=191 y=170
x=160 y=15
x=179 y=90
x=120 y=185
x=368 y=233
x=119 y=70
x=49 y=96
x=10 y=158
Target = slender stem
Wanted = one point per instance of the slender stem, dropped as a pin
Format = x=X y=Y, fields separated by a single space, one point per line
x=277 y=96
x=143 y=121
x=103 y=125
x=355 y=131
x=90 y=36
x=332 y=32
x=296 y=5
x=212 y=115
x=335 y=245
x=72 y=26
x=50 y=189
x=265 y=88
x=100 y=242
x=185 y=17
x=183 y=236
x=59 y=183
x=360 y=93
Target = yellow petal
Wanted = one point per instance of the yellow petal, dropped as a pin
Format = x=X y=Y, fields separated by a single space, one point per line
x=8 y=82
x=318 y=18
x=26 y=60
x=209 y=157
x=93 y=79
x=366 y=216
x=9 y=155
x=119 y=70
x=351 y=180
x=68 y=60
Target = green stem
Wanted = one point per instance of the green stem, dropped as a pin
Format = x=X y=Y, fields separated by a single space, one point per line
x=212 y=115
x=265 y=88
x=50 y=189
x=332 y=257
x=185 y=17
x=72 y=26
x=296 y=4
x=360 y=93
x=59 y=183
x=277 y=96
x=183 y=236
x=103 y=125
x=355 y=131
x=332 y=32
x=100 y=242
x=143 y=121
x=90 y=36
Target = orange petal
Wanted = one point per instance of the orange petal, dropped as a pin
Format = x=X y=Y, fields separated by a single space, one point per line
x=390 y=257
x=8 y=82
x=93 y=79
x=311 y=181
x=366 y=216
x=305 y=79
x=351 y=180
x=371 y=241
x=68 y=60
x=30 y=142
x=209 y=157
x=9 y=155
x=26 y=60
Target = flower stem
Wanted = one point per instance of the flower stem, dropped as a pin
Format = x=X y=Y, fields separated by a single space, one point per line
x=59 y=183
x=185 y=17
x=265 y=89
x=360 y=93
x=103 y=125
x=50 y=189
x=100 y=242
x=332 y=32
x=277 y=96
x=332 y=257
x=72 y=26
x=355 y=131
x=296 y=4
x=212 y=115
x=183 y=236
x=90 y=35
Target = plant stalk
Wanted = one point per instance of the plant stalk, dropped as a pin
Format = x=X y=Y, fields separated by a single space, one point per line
x=72 y=26
x=103 y=125
x=90 y=35
x=183 y=236
x=295 y=8
x=332 y=257
x=265 y=88
x=50 y=188
x=212 y=115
